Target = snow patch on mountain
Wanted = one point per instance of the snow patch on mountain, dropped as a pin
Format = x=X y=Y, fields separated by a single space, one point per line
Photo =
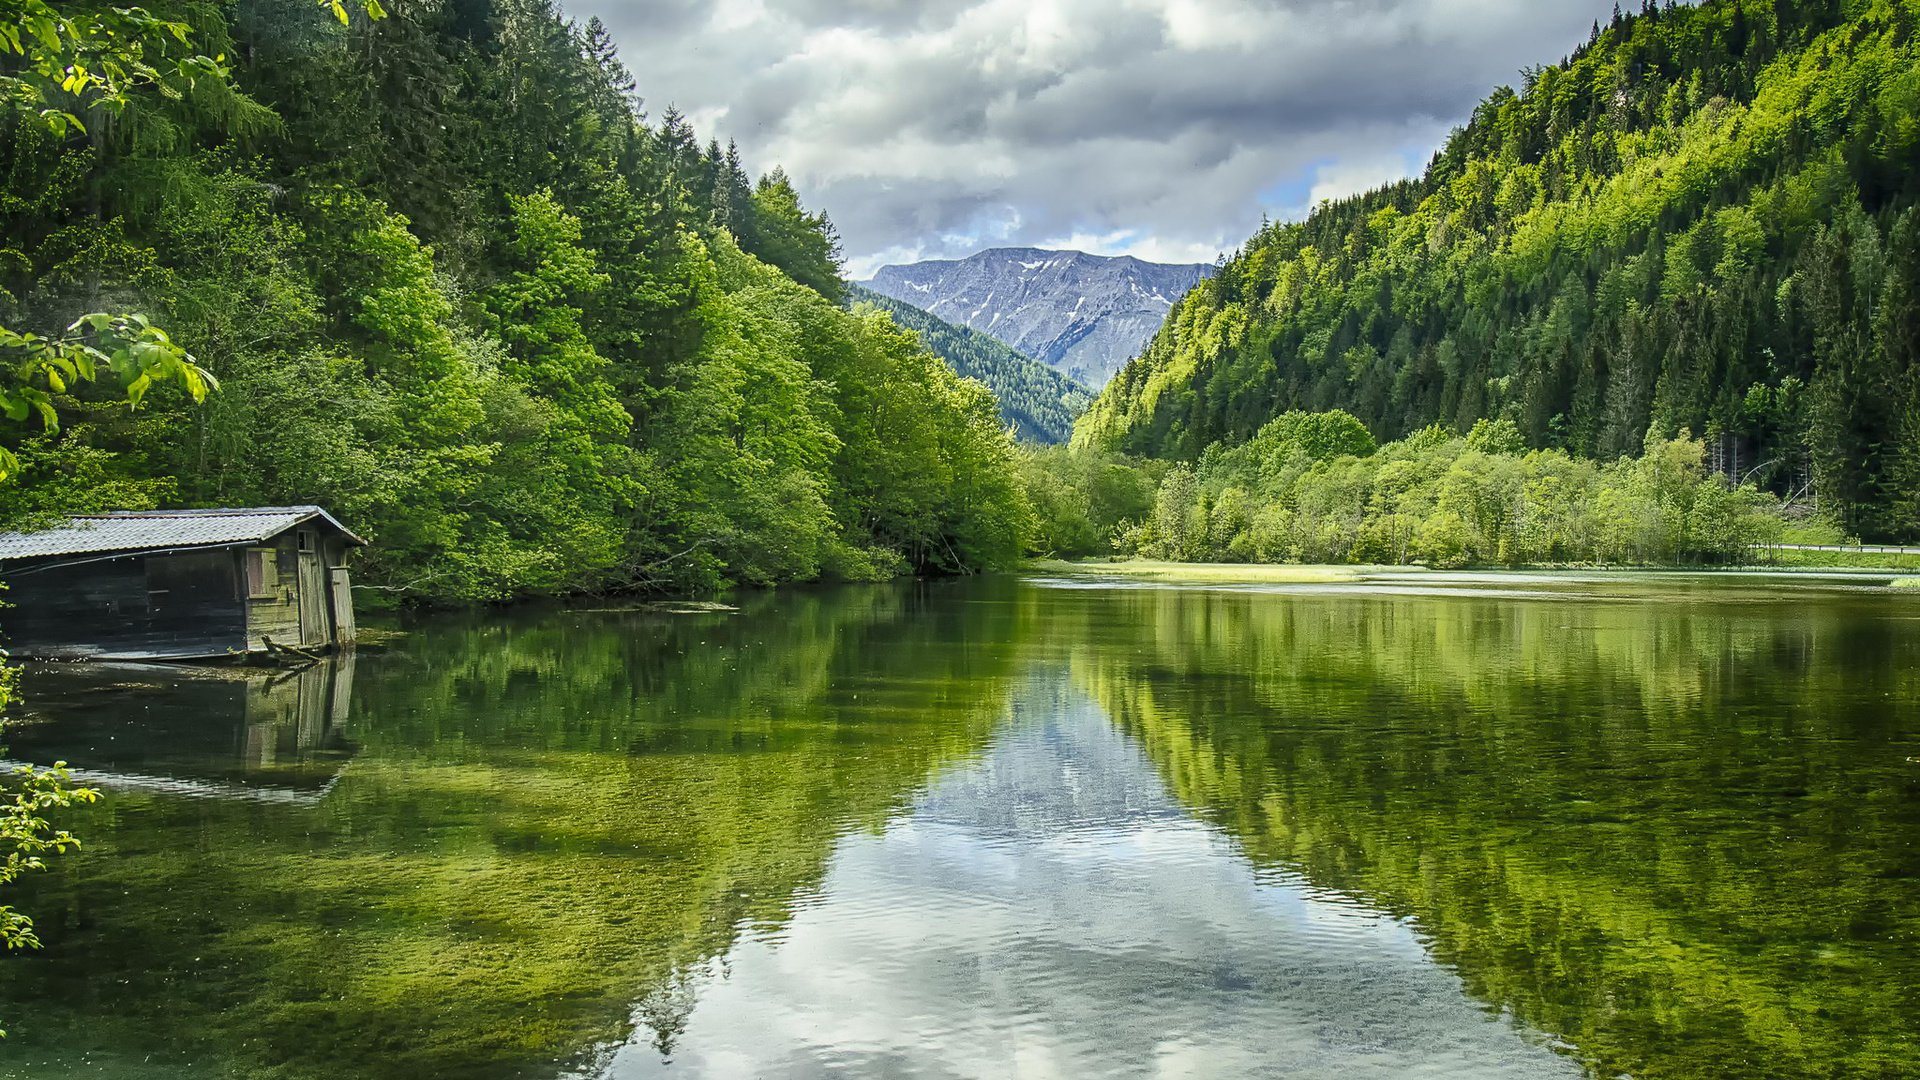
x=1084 y=315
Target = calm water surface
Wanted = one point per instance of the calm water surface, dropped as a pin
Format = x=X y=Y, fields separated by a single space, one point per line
x=1434 y=826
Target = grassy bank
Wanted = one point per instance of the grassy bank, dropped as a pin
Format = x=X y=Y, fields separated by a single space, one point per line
x=1198 y=573
x=1840 y=560
x=1209 y=573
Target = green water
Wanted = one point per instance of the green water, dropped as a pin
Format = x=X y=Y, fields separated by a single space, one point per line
x=1505 y=826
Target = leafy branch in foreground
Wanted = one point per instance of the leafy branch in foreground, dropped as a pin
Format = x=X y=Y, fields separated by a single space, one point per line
x=26 y=836
x=73 y=62
x=128 y=347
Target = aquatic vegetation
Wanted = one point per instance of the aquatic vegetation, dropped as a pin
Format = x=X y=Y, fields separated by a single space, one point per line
x=1686 y=859
x=542 y=821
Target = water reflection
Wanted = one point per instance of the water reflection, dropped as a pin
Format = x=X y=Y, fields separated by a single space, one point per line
x=1658 y=827
x=240 y=733
x=547 y=815
x=1678 y=834
x=1050 y=910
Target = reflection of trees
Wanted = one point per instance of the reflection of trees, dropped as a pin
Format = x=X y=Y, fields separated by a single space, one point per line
x=1677 y=835
x=1680 y=837
x=547 y=818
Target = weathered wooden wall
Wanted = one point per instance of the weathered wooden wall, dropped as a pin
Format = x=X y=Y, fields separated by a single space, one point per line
x=155 y=607
x=200 y=603
x=274 y=611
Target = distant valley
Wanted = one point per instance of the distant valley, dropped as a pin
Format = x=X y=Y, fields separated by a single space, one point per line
x=1037 y=402
x=1082 y=315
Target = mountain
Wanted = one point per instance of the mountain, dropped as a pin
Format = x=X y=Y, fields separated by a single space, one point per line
x=1082 y=315
x=1703 y=220
x=1040 y=403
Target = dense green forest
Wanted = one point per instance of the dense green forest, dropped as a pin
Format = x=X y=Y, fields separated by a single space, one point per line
x=1038 y=402
x=454 y=283
x=457 y=286
x=1701 y=226
x=1314 y=488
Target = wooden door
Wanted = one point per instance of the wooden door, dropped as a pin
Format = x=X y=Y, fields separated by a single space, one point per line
x=316 y=596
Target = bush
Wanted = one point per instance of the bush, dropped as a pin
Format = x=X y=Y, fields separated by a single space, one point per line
x=1309 y=488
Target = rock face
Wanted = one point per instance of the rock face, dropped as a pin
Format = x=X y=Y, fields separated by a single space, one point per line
x=1082 y=315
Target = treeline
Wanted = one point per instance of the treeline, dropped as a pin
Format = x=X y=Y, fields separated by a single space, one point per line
x=460 y=289
x=1039 y=403
x=1703 y=221
x=1314 y=488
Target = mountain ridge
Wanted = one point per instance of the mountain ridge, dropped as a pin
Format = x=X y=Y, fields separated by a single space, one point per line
x=1039 y=403
x=1080 y=314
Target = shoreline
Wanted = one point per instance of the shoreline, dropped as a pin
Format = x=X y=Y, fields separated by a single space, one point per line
x=1177 y=573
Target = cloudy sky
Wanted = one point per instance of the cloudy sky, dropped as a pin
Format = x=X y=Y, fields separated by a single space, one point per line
x=1160 y=128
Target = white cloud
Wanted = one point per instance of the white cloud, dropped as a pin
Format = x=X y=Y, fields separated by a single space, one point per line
x=1351 y=176
x=1164 y=128
x=1051 y=911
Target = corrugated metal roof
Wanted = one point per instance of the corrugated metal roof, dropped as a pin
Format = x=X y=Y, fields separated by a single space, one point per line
x=144 y=530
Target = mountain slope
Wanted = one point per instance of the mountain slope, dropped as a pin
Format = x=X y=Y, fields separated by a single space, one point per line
x=1083 y=315
x=1703 y=220
x=1040 y=403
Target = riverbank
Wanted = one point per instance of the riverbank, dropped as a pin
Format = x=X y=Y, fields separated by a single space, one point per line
x=1826 y=558
x=1177 y=573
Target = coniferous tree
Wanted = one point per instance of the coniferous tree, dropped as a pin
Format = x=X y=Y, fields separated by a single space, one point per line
x=1713 y=187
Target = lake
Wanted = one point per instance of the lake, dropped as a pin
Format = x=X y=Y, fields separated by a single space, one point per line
x=1473 y=826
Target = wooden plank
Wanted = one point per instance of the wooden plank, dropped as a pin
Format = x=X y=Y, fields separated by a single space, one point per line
x=344 y=628
x=316 y=599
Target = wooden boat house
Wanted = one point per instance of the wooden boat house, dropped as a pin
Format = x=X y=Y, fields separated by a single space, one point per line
x=178 y=584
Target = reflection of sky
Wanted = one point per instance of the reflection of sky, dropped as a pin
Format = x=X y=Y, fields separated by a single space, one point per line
x=1050 y=911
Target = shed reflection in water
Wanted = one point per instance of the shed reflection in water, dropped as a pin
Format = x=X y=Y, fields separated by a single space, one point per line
x=209 y=732
x=1650 y=826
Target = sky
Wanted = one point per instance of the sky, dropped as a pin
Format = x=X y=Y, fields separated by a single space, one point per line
x=1163 y=129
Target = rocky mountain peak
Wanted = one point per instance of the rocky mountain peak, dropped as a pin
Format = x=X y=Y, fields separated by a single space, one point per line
x=1083 y=315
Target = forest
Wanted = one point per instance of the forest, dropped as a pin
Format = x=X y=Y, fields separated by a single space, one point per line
x=436 y=266
x=433 y=265
x=1316 y=488
x=1699 y=229
x=1038 y=403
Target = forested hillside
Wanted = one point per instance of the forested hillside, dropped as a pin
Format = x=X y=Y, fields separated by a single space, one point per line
x=457 y=287
x=1703 y=221
x=1039 y=403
